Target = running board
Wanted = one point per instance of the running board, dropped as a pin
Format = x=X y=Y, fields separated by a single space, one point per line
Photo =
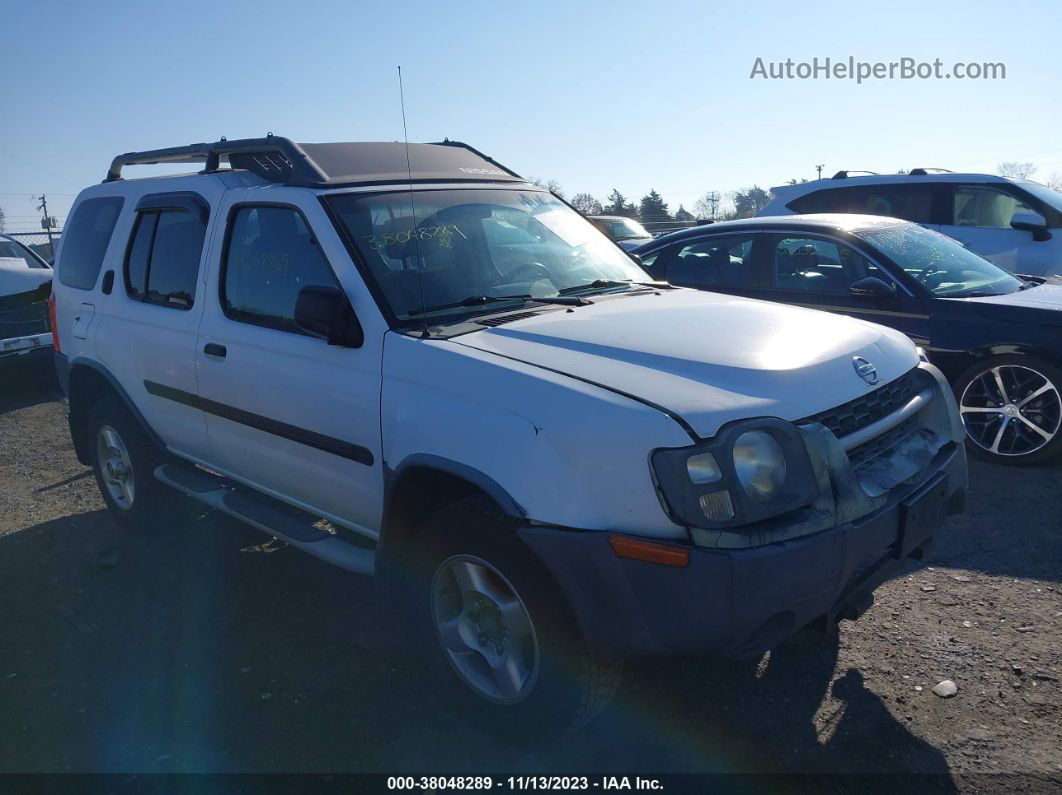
x=294 y=527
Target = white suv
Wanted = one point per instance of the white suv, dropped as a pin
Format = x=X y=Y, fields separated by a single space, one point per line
x=1017 y=224
x=445 y=376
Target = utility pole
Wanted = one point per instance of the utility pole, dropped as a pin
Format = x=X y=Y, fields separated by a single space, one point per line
x=47 y=222
x=819 y=169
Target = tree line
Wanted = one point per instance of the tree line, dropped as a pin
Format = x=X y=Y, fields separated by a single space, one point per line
x=651 y=208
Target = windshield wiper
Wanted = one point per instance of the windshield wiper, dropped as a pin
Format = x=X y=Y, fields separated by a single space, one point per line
x=602 y=284
x=480 y=300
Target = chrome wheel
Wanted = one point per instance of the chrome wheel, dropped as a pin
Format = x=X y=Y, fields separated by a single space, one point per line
x=115 y=467
x=484 y=629
x=1011 y=410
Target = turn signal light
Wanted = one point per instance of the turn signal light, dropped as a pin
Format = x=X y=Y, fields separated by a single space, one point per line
x=636 y=549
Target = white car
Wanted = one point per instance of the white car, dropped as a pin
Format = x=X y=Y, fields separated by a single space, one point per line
x=1016 y=224
x=549 y=461
x=25 y=284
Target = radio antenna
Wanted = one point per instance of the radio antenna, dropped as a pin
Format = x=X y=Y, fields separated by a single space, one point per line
x=413 y=207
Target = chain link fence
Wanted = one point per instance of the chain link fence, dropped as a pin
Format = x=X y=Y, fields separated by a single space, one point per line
x=40 y=242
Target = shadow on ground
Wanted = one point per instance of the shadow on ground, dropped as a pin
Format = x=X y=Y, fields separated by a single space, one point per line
x=194 y=651
x=27 y=381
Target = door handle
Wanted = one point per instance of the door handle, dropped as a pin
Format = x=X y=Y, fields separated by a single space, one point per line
x=213 y=349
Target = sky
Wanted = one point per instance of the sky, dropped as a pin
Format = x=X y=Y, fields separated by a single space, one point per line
x=597 y=96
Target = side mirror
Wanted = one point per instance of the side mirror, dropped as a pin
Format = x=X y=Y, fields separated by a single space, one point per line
x=326 y=313
x=871 y=287
x=1031 y=222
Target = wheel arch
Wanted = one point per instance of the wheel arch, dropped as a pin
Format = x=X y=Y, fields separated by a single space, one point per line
x=89 y=382
x=954 y=364
x=423 y=483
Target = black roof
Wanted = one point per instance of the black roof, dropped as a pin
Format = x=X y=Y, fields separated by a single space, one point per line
x=331 y=165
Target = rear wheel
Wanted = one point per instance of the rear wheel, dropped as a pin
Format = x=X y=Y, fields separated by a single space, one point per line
x=498 y=635
x=124 y=461
x=1012 y=409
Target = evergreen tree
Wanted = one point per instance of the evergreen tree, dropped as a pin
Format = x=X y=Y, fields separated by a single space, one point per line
x=682 y=214
x=618 y=205
x=654 y=208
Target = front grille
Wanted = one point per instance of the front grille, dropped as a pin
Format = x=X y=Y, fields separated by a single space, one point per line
x=861 y=412
x=883 y=443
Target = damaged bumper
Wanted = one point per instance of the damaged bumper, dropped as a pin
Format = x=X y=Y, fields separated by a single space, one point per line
x=744 y=590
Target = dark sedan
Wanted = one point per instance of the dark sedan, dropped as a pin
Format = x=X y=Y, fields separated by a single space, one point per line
x=997 y=337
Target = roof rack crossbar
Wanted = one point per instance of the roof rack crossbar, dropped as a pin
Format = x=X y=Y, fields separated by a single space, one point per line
x=921 y=172
x=293 y=161
x=844 y=174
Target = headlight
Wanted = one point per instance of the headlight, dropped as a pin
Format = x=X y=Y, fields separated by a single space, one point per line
x=760 y=465
x=750 y=471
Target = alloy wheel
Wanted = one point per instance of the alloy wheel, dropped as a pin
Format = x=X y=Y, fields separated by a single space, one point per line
x=1011 y=410
x=484 y=629
x=116 y=467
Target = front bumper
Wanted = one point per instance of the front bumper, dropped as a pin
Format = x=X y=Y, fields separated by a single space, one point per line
x=743 y=601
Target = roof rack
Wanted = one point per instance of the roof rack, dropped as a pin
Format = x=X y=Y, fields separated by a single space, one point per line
x=844 y=174
x=921 y=172
x=281 y=160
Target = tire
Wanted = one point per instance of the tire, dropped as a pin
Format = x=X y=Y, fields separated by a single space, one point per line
x=1020 y=426
x=471 y=544
x=124 y=461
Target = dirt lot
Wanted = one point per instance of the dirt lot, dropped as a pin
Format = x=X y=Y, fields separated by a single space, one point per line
x=197 y=652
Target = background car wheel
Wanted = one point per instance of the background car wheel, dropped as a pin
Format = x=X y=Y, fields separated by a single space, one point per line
x=124 y=460
x=1012 y=409
x=500 y=639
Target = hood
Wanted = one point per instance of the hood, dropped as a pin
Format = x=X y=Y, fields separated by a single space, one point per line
x=631 y=243
x=1041 y=305
x=706 y=357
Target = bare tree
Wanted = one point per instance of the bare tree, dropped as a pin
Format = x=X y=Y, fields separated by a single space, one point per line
x=708 y=205
x=2 y=219
x=1055 y=181
x=586 y=204
x=549 y=184
x=1017 y=170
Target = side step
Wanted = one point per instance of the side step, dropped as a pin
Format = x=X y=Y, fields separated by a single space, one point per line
x=291 y=525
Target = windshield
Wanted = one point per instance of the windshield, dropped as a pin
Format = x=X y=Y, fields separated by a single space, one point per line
x=485 y=244
x=944 y=266
x=624 y=229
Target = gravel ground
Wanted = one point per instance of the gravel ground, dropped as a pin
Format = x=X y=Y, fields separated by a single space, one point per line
x=197 y=651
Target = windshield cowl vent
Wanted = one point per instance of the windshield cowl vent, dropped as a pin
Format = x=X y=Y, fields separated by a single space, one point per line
x=501 y=321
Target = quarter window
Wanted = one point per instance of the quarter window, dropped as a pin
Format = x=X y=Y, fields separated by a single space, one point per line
x=815 y=265
x=986 y=207
x=85 y=241
x=271 y=255
x=713 y=262
x=162 y=265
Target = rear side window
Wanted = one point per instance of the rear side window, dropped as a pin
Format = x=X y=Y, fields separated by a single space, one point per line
x=271 y=255
x=909 y=202
x=162 y=264
x=85 y=241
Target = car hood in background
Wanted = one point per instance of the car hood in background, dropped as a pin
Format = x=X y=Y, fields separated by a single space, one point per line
x=1039 y=305
x=19 y=279
x=631 y=243
x=708 y=358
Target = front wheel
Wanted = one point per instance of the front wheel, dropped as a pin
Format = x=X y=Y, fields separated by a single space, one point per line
x=1012 y=410
x=498 y=635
